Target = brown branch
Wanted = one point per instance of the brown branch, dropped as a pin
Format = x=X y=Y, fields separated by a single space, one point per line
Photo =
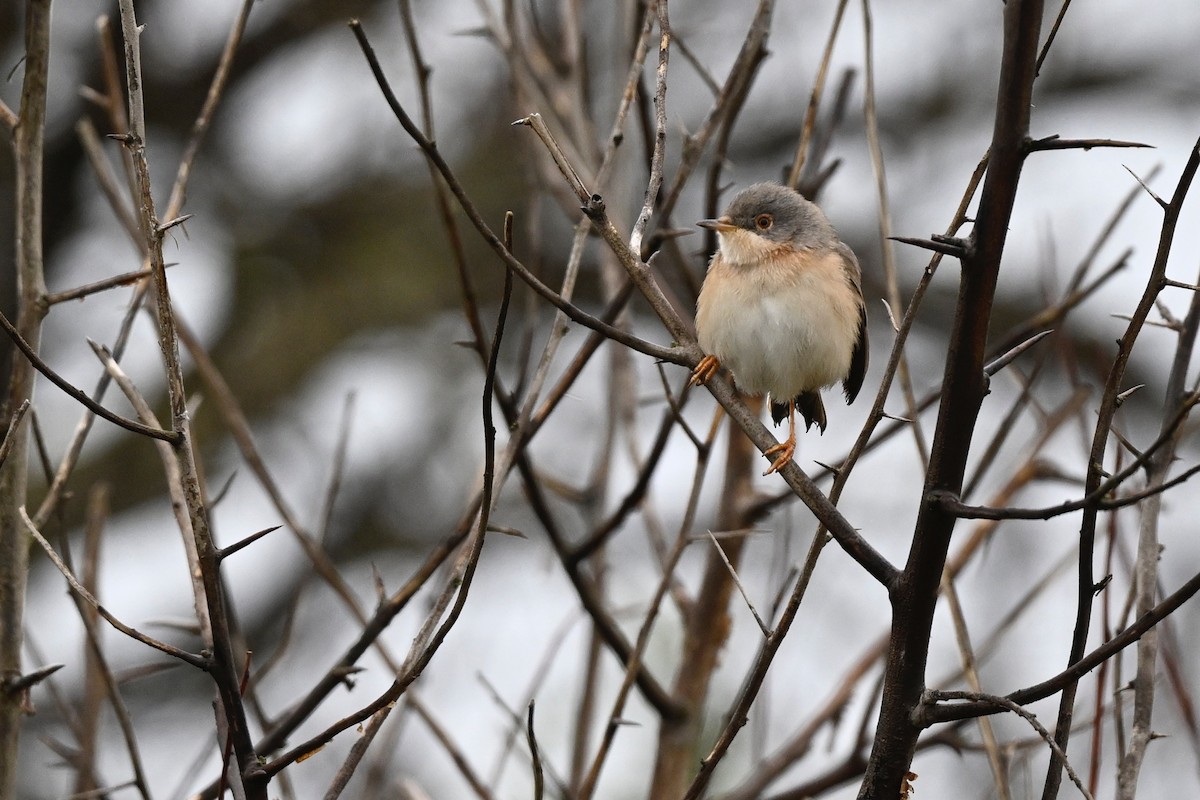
x=29 y=127
x=930 y=712
x=172 y=437
x=224 y=670
x=1085 y=591
x=633 y=663
x=1004 y=704
x=70 y=458
x=814 y=100
x=914 y=593
x=204 y=119
x=428 y=641
x=511 y=262
x=80 y=292
x=200 y=662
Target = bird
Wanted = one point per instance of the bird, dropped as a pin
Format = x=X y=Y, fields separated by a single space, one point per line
x=782 y=308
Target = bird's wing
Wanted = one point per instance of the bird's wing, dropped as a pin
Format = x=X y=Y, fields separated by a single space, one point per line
x=858 y=361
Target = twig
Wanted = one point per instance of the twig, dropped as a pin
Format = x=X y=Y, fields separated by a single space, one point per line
x=931 y=714
x=80 y=292
x=971 y=672
x=172 y=437
x=914 y=597
x=1146 y=567
x=224 y=663
x=538 y=125
x=75 y=447
x=200 y=126
x=1108 y=409
x=814 y=99
x=1062 y=12
x=510 y=261
x=197 y=661
x=891 y=279
x=1025 y=714
x=538 y=778
x=654 y=182
x=762 y=626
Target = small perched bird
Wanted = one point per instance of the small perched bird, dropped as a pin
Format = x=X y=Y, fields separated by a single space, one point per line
x=782 y=307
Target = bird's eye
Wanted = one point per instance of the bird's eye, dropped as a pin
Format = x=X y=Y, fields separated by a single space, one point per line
x=763 y=222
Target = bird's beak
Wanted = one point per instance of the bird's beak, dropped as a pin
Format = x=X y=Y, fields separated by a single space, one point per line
x=722 y=225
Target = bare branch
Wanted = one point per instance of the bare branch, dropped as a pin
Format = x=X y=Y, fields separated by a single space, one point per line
x=188 y=658
x=1008 y=705
x=172 y=437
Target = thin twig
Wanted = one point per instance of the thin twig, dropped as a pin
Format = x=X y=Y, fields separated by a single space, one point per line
x=762 y=626
x=535 y=755
x=200 y=662
x=173 y=437
x=1025 y=714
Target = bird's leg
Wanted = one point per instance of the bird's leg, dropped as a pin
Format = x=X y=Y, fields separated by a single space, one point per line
x=707 y=367
x=786 y=448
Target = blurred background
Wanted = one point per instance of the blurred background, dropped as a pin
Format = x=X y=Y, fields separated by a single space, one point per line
x=317 y=272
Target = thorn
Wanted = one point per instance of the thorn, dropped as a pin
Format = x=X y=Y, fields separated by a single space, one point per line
x=507 y=531
x=163 y=228
x=891 y=315
x=667 y=234
x=1056 y=143
x=30 y=679
x=834 y=470
x=1161 y=203
x=896 y=418
x=1006 y=359
x=946 y=245
x=1128 y=393
x=225 y=552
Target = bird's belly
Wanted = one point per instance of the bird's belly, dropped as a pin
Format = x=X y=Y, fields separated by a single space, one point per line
x=780 y=343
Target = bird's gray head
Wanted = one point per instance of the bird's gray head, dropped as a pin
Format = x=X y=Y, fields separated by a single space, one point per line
x=765 y=218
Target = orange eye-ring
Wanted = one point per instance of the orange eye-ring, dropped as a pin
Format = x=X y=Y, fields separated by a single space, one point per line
x=763 y=222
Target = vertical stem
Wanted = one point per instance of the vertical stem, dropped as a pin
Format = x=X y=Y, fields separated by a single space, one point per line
x=31 y=289
x=223 y=668
x=1086 y=589
x=1146 y=569
x=914 y=593
x=706 y=625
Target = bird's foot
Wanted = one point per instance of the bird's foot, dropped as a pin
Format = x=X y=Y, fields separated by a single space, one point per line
x=707 y=367
x=786 y=449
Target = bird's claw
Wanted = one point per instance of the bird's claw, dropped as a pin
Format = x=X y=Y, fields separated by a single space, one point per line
x=707 y=367
x=786 y=450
